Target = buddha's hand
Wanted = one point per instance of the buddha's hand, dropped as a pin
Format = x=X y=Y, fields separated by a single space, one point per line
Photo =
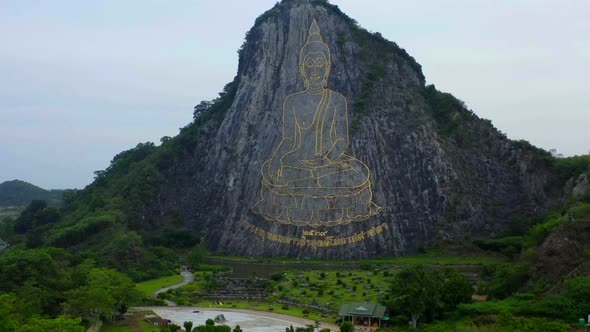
x=276 y=169
x=320 y=162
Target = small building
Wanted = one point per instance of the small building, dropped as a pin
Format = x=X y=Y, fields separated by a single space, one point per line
x=365 y=314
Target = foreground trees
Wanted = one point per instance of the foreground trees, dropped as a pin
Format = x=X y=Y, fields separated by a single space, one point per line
x=418 y=291
x=107 y=294
x=39 y=286
x=60 y=324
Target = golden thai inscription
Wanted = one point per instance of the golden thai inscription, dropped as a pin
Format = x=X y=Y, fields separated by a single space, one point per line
x=328 y=241
x=314 y=232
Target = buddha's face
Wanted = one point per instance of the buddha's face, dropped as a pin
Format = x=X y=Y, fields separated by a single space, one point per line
x=315 y=69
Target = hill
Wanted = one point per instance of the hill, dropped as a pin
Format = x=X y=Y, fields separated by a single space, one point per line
x=16 y=194
x=21 y=193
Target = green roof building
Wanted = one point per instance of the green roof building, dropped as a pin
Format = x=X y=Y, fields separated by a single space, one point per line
x=367 y=314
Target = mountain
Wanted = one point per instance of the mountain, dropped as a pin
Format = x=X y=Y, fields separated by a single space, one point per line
x=416 y=166
x=21 y=193
x=438 y=171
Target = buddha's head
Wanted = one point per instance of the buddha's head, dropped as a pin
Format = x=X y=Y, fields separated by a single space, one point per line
x=314 y=59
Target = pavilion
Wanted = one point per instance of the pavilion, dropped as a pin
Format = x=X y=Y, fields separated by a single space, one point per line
x=367 y=314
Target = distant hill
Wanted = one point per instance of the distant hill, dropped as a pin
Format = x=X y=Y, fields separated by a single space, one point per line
x=20 y=193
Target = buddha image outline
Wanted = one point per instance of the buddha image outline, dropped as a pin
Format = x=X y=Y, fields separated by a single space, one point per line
x=310 y=180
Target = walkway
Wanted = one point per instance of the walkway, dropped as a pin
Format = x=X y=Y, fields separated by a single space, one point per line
x=188 y=278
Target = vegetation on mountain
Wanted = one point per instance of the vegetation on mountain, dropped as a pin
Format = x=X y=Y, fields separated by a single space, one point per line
x=21 y=193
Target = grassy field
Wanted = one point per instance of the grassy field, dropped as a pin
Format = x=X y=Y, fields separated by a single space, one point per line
x=332 y=288
x=213 y=268
x=150 y=286
x=302 y=289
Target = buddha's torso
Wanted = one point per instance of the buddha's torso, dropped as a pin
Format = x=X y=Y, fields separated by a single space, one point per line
x=305 y=109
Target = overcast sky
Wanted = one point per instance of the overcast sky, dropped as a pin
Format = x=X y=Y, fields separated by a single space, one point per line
x=81 y=81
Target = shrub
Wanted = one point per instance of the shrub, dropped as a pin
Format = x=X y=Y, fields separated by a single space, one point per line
x=346 y=327
x=505 y=279
x=222 y=328
x=508 y=323
x=577 y=290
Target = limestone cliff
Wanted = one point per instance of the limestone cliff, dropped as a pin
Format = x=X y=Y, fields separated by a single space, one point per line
x=437 y=170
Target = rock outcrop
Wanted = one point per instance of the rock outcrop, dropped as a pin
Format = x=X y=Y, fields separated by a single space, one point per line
x=561 y=255
x=581 y=187
x=437 y=170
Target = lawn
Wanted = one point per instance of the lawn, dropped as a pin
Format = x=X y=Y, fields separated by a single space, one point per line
x=150 y=286
x=325 y=288
x=332 y=288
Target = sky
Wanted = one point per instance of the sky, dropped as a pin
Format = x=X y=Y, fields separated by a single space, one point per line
x=81 y=81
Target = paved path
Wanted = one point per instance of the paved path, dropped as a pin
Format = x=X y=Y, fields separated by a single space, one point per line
x=188 y=278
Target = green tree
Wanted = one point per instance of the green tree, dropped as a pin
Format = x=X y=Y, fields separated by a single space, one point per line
x=49 y=215
x=81 y=272
x=210 y=283
x=31 y=299
x=173 y=327
x=60 y=324
x=455 y=289
x=196 y=256
x=505 y=279
x=236 y=329
x=20 y=266
x=414 y=290
x=577 y=290
x=27 y=219
x=127 y=251
x=188 y=326
x=107 y=294
x=346 y=327
x=8 y=318
x=210 y=325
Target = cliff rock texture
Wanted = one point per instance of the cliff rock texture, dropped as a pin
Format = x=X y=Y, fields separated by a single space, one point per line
x=437 y=170
x=582 y=186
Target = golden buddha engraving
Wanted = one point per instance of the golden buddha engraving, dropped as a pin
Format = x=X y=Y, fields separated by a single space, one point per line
x=310 y=180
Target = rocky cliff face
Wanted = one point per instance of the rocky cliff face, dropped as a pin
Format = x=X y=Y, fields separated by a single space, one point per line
x=582 y=186
x=437 y=170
